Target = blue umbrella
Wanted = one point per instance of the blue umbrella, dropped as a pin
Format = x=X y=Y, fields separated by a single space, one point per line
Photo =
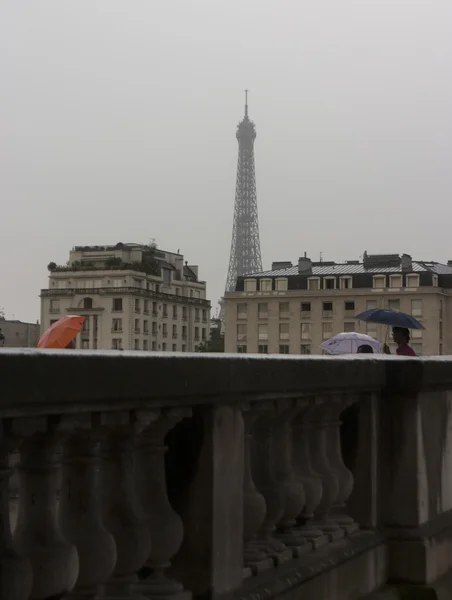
x=393 y=318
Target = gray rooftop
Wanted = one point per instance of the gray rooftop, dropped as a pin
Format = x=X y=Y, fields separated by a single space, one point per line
x=319 y=269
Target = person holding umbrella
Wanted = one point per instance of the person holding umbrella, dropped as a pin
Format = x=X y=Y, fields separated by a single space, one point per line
x=401 y=337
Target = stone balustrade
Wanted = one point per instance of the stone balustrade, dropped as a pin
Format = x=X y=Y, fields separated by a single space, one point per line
x=169 y=476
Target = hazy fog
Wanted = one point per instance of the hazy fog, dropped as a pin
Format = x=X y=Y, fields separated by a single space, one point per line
x=117 y=123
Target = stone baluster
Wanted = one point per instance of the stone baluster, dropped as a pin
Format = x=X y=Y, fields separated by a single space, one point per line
x=292 y=487
x=164 y=524
x=54 y=560
x=123 y=515
x=16 y=576
x=254 y=506
x=81 y=505
x=267 y=483
x=304 y=471
x=334 y=452
x=319 y=418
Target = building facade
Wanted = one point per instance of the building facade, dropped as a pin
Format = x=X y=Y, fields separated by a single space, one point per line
x=16 y=334
x=133 y=297
x=293 y=309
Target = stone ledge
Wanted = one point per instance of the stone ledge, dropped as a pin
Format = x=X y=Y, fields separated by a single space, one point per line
x=438 y=590
x=297 y=572
x=440 y=528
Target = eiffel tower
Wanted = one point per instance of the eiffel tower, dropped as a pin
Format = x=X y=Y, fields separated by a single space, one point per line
x=245 y=256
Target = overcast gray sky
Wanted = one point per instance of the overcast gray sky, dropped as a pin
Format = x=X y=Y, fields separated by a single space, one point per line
x=118 y=119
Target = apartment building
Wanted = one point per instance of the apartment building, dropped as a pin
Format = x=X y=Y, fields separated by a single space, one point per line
x=17 y=334
x=291 y=309
x=133 y=297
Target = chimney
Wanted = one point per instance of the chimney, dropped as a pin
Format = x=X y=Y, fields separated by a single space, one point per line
x=283 y=264
x=449 y=263
x=407 y=262
x=304 y=265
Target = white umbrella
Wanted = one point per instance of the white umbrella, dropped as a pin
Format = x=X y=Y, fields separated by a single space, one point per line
x=349 y=342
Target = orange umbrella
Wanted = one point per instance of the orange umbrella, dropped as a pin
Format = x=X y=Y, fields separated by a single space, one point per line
x=61 y=333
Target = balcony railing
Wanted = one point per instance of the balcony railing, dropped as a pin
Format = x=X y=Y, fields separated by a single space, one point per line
x=46 y=293
x=255 y=498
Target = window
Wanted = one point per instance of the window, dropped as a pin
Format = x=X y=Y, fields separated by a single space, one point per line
x=145 y=345
x=250 y=285
x=350 y=306
x=117 y=282
x=52 y=321
x=329 y=283
x=197 y=315
x=394 y=304
x=145 y=326
x=146 y=306
x=371 y=329
x=379 y=282
x=435 y=280
x=416 y=308
x=184 y=348
x=87 y=303
x=284 y=331
x=395 y=281
x=281 y=285
x=241 y=331
x=440 y=349
x=305 y=331
x=284 y=310
x=154 y=328
x=117 y=305
x=262 y=310
x=283 y=349
x=174 y=311
x=262 y=331
x=416 y=334
x=314 y=284
x=440 y=330
x=327 y=309
x=154 y=346
x=177 y=291
x=345 y=283
x=203 y=333
x=184 y=313
x=305 y=349
x=184 y=332
x=116 y=343
x=349 y=326
x=412 y=281
x=164 y=347
x=164 y=329
x=137 y=344
x=441 y=308
x=263 y=349
x=137 y=325
x=242 y=311
x=116 y=325
x=371 y=304
x=137 y=305
x=174 y=331
x=165 y=311
x=327 y=330
x=417 y=348
x=204 y=315
x=85 y=326
x=266 y=285
x=196 y=334
x=166 y=276
x=154 y=308
x=241 y=349
x=305 y=308
x=54 y=305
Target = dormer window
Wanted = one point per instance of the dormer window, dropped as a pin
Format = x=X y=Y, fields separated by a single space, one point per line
x=345 y=283
x=266 y=285
x=395 y=281
x=250 y=285
x=314 y=283
x=281 y=285
x=379 y=282
x=412 y=281
x=329 y=283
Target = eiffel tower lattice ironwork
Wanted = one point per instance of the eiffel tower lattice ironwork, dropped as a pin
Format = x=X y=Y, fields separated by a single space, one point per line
x=245 y=254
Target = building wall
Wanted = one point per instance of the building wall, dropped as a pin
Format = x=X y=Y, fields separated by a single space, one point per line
x=320 y=325
x=174 y=318
x=19 y=335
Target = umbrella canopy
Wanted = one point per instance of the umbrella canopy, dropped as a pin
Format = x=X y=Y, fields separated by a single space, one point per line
x=61 y=333
x=393 y=318
x=349 y=342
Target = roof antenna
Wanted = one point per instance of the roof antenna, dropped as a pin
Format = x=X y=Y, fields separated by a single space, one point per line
x=246 y=103
x=321 y=256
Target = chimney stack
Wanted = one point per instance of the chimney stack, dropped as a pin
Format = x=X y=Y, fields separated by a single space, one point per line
x=407 y=262
x=304 y=265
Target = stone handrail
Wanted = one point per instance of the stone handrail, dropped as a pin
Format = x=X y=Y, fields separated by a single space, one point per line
x=252 y=498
